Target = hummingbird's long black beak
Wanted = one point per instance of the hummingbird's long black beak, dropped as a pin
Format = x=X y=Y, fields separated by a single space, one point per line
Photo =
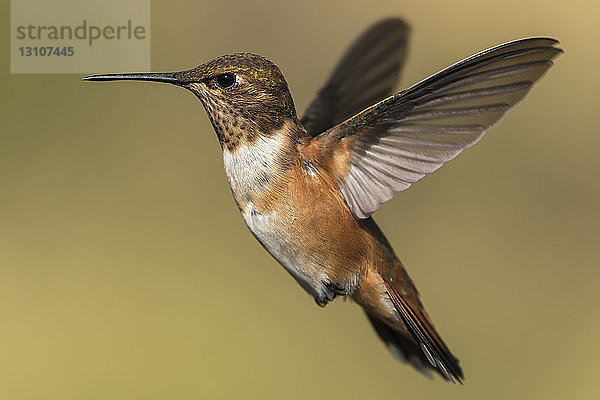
x=165 y=77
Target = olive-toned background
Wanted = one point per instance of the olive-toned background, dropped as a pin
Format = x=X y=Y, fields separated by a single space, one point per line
x=126 y=271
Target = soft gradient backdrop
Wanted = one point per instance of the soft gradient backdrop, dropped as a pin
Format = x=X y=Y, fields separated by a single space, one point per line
x=126 y=271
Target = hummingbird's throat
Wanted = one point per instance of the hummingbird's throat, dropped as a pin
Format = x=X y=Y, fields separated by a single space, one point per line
x=236 y=120
x=235 y=128
x=231 y=126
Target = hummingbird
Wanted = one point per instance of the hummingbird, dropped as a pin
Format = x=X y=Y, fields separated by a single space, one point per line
x=307 y=187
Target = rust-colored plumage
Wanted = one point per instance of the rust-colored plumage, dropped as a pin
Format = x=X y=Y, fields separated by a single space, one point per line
x=306 y=188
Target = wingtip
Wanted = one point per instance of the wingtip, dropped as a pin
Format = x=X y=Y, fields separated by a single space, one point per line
x=395 y=20
x=552 y=42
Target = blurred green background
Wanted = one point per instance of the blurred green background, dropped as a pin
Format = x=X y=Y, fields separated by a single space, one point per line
x=126 y=271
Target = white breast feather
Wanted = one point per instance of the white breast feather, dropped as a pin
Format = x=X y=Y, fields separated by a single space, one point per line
x=250 y=165
x=249 y=168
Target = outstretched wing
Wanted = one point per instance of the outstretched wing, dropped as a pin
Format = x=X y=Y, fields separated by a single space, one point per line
x=367 y=73
x=397 y=141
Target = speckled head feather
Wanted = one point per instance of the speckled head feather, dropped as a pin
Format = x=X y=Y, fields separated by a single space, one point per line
x=258 y=101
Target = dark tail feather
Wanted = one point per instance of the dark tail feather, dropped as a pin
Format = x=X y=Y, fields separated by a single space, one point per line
x=423 y=332
x=405 y=349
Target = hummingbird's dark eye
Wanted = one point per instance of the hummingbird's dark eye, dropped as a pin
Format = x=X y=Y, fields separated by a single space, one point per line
x=226 y=80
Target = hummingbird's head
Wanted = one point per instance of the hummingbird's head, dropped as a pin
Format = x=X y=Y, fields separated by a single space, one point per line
x=245 y=95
